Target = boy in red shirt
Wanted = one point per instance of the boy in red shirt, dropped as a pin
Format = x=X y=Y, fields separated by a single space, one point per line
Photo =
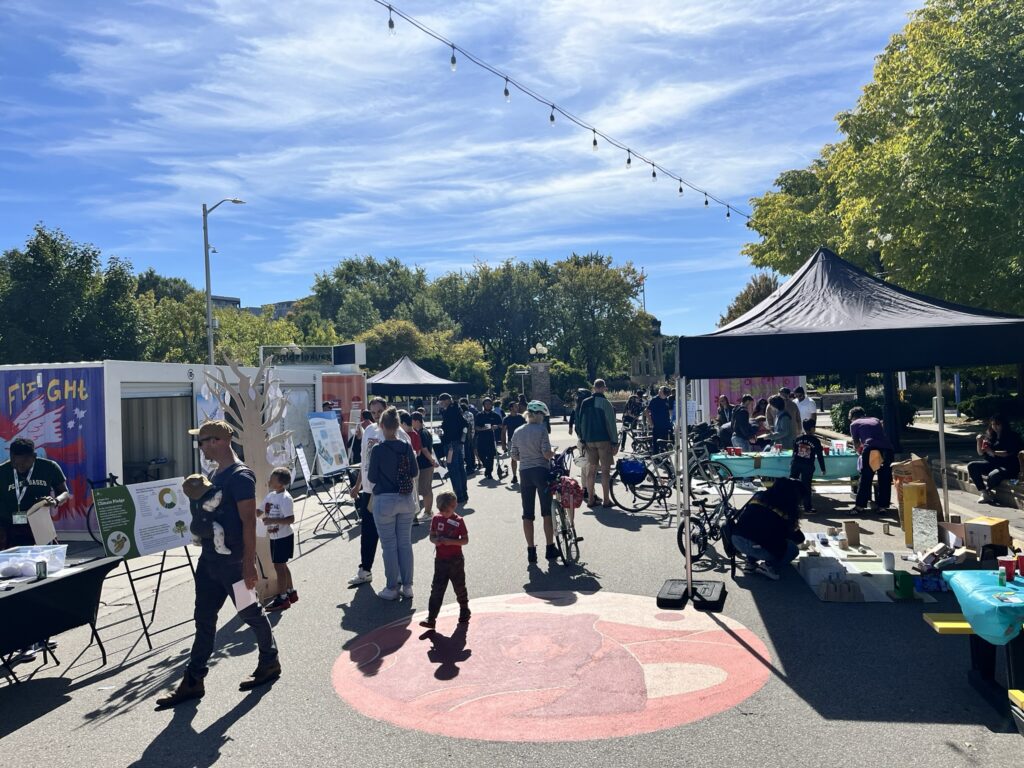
x=448 y=535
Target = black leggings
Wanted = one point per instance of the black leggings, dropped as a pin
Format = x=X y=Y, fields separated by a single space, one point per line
x=987 y=475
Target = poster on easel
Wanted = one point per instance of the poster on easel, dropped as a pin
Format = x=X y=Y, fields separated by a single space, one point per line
x=300 y=455
x=330 y=448
x=144 y=518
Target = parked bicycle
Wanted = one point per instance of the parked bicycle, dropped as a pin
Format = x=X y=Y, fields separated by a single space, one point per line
x=640 y=481
x=706 y=526
x=91 y=520
x=566 y=497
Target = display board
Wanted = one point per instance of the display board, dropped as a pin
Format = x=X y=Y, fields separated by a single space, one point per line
x=143 y=519
x=330 y=448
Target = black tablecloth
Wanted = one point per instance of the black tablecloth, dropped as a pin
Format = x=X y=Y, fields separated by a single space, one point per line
x=34 y=611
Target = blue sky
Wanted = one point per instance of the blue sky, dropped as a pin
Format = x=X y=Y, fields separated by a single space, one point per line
x=118 y=121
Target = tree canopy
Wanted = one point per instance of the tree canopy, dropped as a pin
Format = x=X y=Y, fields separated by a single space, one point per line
x=926 y=188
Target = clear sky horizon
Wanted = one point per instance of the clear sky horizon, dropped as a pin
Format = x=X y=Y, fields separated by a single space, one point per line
x=117 y=122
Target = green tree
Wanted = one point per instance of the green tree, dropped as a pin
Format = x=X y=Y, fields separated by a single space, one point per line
x=387 y=284
x=760 y=286
x=60 y=303
x=927 y=186
x=597 y=325
x=565 y=380
x=388 y=341
x=177 y=288
x=355 y=314
x=240 y=334
x=178 y=329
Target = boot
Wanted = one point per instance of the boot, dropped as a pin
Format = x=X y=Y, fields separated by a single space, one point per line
x=189 y=688
x=264 y=673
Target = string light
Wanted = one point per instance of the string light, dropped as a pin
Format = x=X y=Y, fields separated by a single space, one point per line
x=579 y=122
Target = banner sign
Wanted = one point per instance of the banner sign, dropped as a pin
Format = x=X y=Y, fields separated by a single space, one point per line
x=758 y=386
x=144 y=518
x=330 y=448
x=61 y=411
x=345 y=393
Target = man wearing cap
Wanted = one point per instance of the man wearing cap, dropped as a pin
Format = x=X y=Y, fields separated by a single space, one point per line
x=598 y=432
x=362 y=490
x=218 y=575
x=453 y=430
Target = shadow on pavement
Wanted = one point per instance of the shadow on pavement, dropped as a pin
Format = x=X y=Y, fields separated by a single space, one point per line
x=572 y=578
x=448 y=652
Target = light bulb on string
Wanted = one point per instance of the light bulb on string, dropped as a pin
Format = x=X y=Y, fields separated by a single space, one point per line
x=551 y=117
x=391 y=23
x=595 y=139
x=728 y=211
x=680 y=188
x=705 y=199
x=453 y=62
x=629 y=159
x=508 y=93
x=654 y=173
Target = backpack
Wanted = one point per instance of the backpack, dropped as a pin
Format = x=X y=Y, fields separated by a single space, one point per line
x=404 y=478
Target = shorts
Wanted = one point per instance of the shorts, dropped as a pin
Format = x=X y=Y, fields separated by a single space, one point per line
x=600 y=454
x=281 y=550
x=424 y=480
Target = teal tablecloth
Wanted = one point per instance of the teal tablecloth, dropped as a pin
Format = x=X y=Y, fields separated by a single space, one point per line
x=992 y=619
x=836 y=465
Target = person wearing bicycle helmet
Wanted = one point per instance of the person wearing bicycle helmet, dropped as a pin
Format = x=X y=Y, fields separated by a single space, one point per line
x=767 y=530
x=531 y=447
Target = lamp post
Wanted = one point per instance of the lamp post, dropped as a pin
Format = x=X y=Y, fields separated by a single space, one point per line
x=206 y=258
x=538 y=349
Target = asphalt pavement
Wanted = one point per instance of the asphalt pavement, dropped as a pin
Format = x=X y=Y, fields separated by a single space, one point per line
x=546 y=672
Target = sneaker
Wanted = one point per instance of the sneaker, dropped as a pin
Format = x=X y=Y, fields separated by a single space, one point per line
x=189 y=688
x=464 y=616
x=406 y=591
x=985 y=497
x=428 y=623
x=264 y=673
x=388 y=593
x=749 y=566
x=551 y=552
x=423 y=515
x=293 y=596
x=531 y=554
x=279 y=604
x=746 y=485
x=858 y=511
x=767 y=571
x=515 y=480
x=361 y=577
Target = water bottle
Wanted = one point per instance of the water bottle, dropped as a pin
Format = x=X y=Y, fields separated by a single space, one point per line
x=1002 y=576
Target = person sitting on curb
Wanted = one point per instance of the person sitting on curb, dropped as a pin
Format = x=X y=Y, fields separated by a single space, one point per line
x=998 y=447
x=767 y=530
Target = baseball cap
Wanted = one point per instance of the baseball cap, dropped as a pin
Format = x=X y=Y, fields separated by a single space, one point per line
x=214 y=428
x=537 y=406
x=444 y=396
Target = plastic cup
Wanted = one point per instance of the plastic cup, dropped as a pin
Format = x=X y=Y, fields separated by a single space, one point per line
x=1009 y=562
x=1020 y=564
x=826 y=449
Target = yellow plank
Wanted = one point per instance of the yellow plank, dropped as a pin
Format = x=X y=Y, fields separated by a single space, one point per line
x=1017 y=697
x=948 y=623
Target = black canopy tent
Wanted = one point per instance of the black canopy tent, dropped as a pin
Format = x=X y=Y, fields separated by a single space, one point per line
x=833 y=317
x=404 y=377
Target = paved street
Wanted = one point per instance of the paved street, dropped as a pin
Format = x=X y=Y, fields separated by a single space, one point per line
x=558 y=666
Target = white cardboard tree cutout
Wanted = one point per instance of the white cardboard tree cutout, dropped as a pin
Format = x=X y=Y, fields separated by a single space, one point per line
x=255 y=407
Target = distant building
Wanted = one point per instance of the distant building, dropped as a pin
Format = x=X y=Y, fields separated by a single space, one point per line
x=281 y=309
x=225 y=302
x=647 y=368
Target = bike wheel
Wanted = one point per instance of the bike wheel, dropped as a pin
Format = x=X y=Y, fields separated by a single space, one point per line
x=565 y=534
x=91 y=524
x=502 y=470
x=698 y=539
x=634 y=498
x=712 y=476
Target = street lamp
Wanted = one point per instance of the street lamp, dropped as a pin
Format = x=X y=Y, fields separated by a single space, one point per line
x=206 y=258
x=538 y=349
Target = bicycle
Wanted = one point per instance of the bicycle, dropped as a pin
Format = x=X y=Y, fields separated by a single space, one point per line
x=501 y=465
x=640 y=487
x=91 y=520
x=705 y=527
x=563 y=493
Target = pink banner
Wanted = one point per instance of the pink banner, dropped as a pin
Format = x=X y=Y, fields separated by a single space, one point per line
x=758 y=386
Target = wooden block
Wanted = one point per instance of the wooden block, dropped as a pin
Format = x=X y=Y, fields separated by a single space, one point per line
x=948 y=623
x=852 y=529
x=1017 y=698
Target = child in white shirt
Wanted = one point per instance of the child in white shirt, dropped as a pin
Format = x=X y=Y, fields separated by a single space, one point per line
x=278 y=516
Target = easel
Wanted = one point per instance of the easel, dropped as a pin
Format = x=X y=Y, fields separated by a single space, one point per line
x=144 y=573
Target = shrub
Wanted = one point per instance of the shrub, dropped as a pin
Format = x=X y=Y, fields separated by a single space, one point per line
x=985 y=406
x=873 y=406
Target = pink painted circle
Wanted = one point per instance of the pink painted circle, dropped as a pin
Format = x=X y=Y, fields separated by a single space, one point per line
x=553 y=666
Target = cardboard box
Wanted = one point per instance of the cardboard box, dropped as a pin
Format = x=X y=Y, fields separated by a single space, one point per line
x=987 y=530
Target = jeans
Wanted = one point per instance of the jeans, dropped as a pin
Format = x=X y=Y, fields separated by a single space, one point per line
x=533 y=484
x=884 y=491
x=803 y=472
x=368 y=533
x=754 y=551
x=214 y=580
x=485 y=449
x=452 y=569
x=987 y=475
x=394 y=513
x=457 y=469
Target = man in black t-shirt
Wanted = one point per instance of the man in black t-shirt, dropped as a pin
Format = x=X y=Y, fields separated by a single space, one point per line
x=661 y=418
x=510 y=424
x=219 y=577
x=488 y=427
x=26 y=480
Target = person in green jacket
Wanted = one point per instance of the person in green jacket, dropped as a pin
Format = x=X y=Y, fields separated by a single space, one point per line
x=597 y=431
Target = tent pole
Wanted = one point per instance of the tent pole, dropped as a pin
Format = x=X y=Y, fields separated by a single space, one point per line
x=683 y=475
x=942 y=441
